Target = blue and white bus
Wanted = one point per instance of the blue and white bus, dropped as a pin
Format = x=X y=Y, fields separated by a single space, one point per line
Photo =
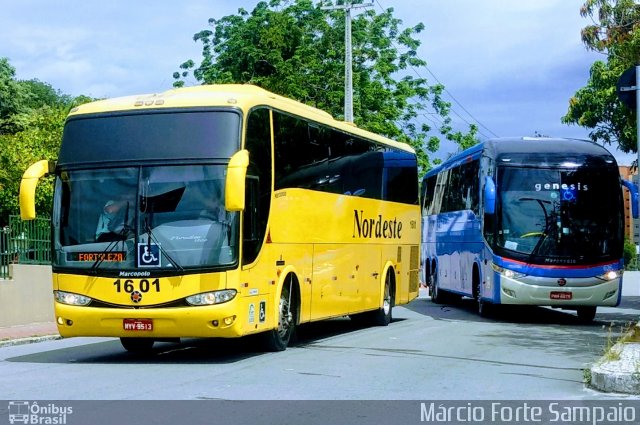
x=529 y=221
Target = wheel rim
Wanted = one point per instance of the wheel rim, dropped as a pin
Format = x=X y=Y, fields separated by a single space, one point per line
x=286 y=317
x=386 y=303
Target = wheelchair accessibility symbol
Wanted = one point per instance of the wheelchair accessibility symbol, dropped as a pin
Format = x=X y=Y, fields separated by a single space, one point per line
x=148 y=255
x=569 y=195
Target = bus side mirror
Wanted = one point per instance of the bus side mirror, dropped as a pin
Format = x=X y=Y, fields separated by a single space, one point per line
x=28 y=185
x=633 y=190
x=234 y=188
x=489 y=195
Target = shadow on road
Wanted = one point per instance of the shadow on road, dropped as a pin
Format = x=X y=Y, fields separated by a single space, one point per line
x=559 y=331
x=466 y=309
x=191 y=350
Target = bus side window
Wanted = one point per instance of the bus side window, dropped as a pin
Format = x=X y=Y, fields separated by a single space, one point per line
x=258 y=188
x=429 y=193
x=252 y=235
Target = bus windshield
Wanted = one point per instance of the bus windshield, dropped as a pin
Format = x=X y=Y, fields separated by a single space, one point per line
x=558 y=216
x=155 y=217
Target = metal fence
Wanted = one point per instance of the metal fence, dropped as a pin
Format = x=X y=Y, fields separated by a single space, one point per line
x=24 y=242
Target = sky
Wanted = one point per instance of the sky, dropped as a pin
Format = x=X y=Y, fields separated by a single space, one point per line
x=509 y=66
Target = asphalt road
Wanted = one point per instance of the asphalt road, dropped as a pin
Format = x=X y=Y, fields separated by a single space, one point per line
x=429 y=352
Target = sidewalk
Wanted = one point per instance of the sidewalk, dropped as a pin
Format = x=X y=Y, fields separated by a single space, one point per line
x=25 y=334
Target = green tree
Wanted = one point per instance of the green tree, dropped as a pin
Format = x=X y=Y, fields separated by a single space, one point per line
x=629 y=253
x=13 y=98
x=41 y=94
x=615 y=32
x=296 y=49
x=32 y=115
x=40 y=140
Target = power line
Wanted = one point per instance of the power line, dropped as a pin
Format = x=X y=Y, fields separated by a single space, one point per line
x=449 y=93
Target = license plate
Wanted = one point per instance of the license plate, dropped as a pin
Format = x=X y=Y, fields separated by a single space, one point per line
x=137 y=324
x=561 y=295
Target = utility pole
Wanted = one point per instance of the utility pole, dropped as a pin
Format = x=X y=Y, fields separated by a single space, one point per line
x=348 y=77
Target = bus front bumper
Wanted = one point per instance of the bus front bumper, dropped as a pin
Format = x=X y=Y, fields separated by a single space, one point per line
x=183 y=322
x=589 y=292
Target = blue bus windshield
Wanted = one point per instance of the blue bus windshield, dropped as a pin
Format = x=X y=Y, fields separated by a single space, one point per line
x=561 y=216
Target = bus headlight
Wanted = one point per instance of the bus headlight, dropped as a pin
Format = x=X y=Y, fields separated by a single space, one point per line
x=71 y=298
x=610 y=275
x=509 y=274
x=211 y=298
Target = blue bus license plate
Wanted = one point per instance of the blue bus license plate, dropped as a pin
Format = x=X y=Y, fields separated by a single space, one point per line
x=561 y=295
x=137 y=324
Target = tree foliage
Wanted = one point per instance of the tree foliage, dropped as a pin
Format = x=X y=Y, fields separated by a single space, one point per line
x=296 y=49
x=32 y=115
x=629 y=252
x=39 y=140
x=13 y=96
x=615 y=32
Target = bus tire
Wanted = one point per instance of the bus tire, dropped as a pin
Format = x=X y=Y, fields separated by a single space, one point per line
x=278 y=339
x=485 y=309
x=436 y=294
x=384 y=315
x=137 y=345
x=586 y=314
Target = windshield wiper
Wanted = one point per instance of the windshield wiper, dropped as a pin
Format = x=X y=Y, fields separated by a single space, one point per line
x=547 y=227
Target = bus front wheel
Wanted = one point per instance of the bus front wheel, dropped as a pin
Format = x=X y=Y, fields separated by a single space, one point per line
x=586 y=314
x=485 y=309
x=278 y=339
x=137 y=345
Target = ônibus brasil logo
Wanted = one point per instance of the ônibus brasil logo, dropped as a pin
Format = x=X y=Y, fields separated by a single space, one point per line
x=25 y=412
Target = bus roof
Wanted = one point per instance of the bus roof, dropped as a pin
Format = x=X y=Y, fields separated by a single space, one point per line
x=241 y=96
x=525 y=150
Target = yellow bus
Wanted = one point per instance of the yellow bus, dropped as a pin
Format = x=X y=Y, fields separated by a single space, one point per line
x=224 y=211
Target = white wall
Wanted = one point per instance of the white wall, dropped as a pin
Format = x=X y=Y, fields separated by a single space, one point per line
x=28 y=297
x=631 y=284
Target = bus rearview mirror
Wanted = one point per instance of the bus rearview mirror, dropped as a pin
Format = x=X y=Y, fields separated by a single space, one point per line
x=633 y=190
x=234 y=189
x=489 y=195
x=28 y=186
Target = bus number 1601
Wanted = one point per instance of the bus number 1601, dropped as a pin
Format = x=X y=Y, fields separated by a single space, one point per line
x=143 y=286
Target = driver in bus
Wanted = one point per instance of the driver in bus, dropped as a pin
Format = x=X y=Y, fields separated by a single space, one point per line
x=111 y=223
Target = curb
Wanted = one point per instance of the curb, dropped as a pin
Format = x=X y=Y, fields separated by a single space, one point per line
x=29 y=340
x=619 y=371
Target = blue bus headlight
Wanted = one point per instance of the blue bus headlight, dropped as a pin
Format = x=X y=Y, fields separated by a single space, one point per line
x=71 y=298
x=610 y=275
x=509 y=274
x=211 y=298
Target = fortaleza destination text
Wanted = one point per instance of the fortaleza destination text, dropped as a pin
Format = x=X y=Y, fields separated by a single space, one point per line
x=527 y=412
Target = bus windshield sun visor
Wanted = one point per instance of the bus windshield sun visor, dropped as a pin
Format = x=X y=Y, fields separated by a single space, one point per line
x=150 y=136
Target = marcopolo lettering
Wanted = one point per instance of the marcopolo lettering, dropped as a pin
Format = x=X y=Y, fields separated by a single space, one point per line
x=134 y=274
x=378 y=228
